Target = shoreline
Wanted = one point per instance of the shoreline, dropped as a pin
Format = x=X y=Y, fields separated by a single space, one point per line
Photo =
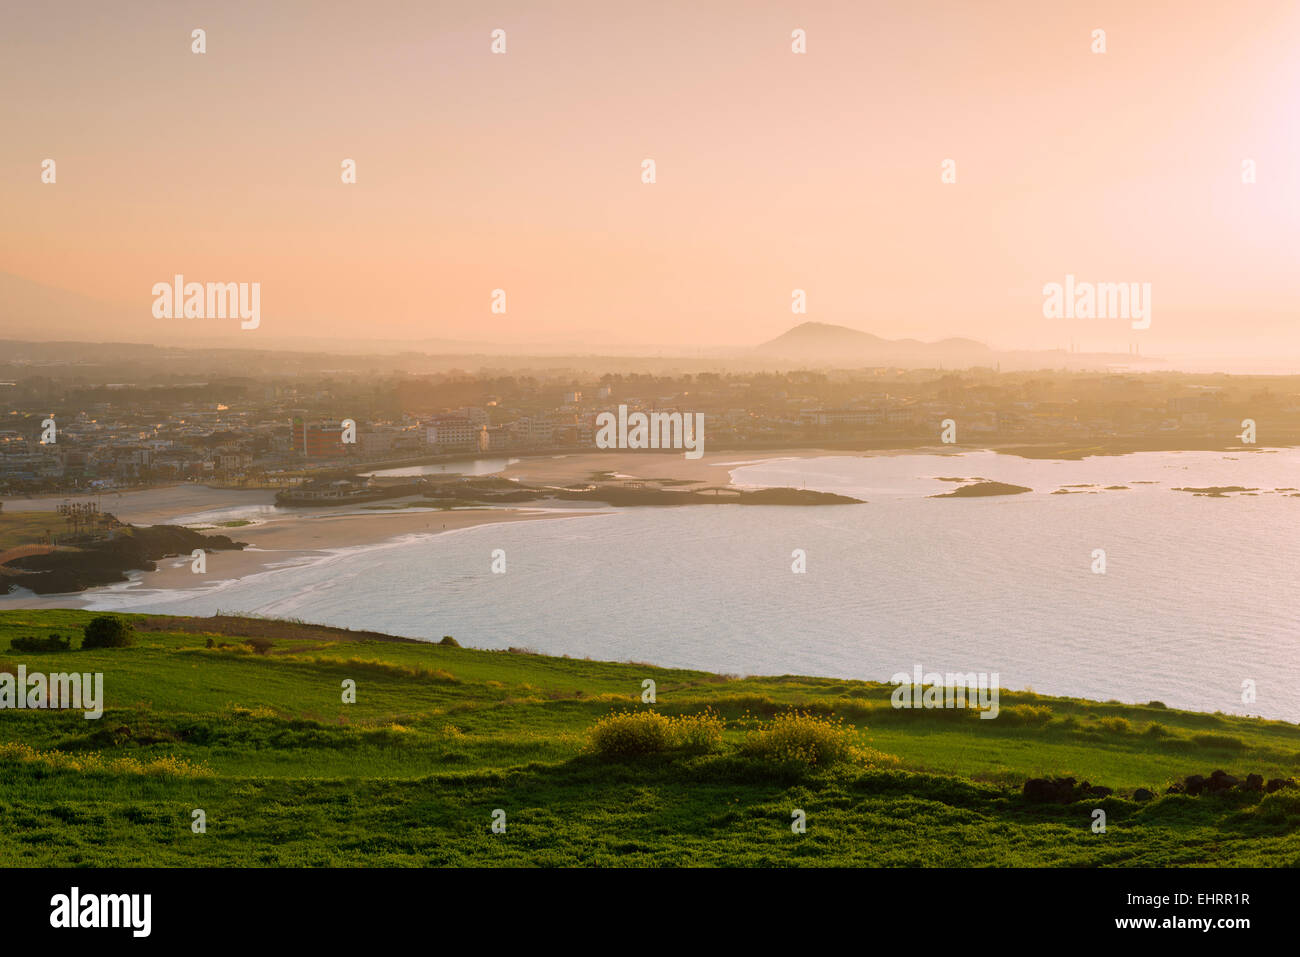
x=529 y=465
x=285 y=543
x=282 y=537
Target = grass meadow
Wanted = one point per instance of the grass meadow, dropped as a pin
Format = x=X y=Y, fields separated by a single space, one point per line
x=258 y=737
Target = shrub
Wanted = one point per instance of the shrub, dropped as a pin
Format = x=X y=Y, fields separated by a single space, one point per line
x=700 y=732
x=1032 y=715
x=107 y=631
x=1115 y=725
x=52 y=643
x=449 y=641
x=627 y=733
x=93 y=762
x=375 y=666
x=801 y=739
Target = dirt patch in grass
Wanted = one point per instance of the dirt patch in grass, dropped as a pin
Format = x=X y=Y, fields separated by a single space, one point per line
x=240 y=627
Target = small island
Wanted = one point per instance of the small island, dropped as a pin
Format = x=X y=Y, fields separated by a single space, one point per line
x=1217 y=491
x=983 y=489
x=497 y=491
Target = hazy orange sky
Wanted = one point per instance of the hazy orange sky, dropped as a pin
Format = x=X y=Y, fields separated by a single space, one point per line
x=776 y=171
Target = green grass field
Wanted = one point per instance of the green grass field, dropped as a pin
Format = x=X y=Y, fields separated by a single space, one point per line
x=27 y=528
x=441 y=737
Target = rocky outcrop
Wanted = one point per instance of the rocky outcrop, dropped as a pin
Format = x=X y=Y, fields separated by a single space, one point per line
x=108 y=561
x=1220 y=782
x=1053 y=790
x=980 y=489
x=1066 y=790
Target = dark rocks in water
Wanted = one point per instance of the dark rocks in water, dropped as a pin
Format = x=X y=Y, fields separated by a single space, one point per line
x=107 y=561
x=982 y=489
x=623 y=496
x=1216 y=491
x=794 y=496
x=631 y=493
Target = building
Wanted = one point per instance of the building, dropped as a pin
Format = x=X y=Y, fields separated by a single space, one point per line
x=316 y=441
x=452 y=434
x=534 y=431
x=347 y=489
x=851 y=419
x=832 y=418
x=377 y=440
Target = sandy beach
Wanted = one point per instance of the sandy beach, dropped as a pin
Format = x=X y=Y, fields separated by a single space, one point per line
x=280 y=537
x=277 y=537
x=287 y=542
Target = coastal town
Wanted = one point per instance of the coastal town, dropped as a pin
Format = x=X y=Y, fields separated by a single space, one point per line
x=63 y=428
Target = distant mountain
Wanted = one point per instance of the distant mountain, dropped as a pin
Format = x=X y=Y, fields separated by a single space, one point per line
x=28 y=308
x=840 y=345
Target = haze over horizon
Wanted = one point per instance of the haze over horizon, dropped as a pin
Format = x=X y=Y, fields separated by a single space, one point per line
x=775 y=171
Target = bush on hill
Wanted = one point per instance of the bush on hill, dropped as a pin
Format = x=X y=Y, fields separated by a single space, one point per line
x=107 y=631
x=628 y=733
x=799 y=739
x=52 y=643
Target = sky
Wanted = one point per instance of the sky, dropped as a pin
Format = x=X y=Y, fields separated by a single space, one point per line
x=775 y=171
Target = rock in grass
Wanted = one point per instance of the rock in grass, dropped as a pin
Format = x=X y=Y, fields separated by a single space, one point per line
x=1221 y=781
x=1050 y=790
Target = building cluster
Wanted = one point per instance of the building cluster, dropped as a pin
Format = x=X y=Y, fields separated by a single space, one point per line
x=273 y=435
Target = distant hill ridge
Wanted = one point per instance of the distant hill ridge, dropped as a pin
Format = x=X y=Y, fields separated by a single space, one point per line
x=823 y=341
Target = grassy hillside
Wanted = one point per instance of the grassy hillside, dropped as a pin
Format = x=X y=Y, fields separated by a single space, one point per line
x=440 y=737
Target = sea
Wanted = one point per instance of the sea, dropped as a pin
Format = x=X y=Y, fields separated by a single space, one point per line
x=1109 y=580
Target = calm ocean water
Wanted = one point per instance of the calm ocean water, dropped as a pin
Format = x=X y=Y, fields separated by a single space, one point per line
x=1199 y=595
